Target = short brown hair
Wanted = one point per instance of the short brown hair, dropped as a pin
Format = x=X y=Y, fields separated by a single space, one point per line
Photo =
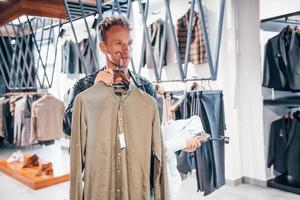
x=109 y=22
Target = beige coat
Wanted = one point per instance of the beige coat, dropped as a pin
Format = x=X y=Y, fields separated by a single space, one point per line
x=46 y=119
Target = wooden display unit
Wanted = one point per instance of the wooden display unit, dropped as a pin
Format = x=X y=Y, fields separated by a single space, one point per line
x=28 y=175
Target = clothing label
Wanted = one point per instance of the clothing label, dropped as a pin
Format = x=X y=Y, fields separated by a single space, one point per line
x=280 y=133
x=122 y=140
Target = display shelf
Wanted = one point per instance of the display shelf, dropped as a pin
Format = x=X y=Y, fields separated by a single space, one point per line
x=27 y=175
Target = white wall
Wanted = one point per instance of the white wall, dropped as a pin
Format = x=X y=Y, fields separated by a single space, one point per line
x=272 y=8
x=249 y=93
x=228 y=79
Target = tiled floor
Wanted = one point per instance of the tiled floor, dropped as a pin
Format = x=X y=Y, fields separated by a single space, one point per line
x=11 y=189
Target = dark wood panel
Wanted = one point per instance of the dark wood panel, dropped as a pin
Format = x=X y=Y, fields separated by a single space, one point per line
x=45 y=8
x=11 y=9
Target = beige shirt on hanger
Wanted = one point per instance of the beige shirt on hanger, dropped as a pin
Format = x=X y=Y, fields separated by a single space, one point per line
x=111 y=142
x=46 y=119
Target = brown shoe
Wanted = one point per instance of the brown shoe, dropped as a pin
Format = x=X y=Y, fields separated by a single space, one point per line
x=31 y=161
x=45 y=169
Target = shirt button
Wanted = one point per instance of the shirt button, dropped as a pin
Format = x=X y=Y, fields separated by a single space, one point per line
x=118 y=190
x=119 y=171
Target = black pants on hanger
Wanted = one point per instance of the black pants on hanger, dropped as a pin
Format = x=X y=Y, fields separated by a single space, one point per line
x=209 y=158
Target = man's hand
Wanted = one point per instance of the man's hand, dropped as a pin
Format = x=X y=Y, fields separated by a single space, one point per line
x=192 y=144
x=105 y=76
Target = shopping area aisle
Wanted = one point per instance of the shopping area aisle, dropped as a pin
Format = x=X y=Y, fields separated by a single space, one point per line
x=13 y=190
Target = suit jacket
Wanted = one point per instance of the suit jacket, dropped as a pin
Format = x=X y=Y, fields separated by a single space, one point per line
x=156 y=33
x=282 y=62
x=197 y=48
x=284 y=146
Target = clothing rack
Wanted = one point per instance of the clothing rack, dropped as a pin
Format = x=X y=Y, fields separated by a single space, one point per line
x=277 y=23
x=291 y=101
x=23 y=93
x=143 y=6
x=284 y=182
x=213 y=62
x=226 y=139
x=81 y=10
x=210 y=108
x=185 y=80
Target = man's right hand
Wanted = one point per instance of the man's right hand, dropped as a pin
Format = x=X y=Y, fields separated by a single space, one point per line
x=105 y=76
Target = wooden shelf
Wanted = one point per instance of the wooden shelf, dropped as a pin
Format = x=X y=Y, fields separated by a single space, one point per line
x=27 y=175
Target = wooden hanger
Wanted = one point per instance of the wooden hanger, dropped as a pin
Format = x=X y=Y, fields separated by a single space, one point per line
x=120 y=73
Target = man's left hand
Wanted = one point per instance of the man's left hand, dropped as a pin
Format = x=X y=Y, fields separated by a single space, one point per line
x=193 y=144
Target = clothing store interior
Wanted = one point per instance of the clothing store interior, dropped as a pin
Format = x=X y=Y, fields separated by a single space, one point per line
x=150 y=99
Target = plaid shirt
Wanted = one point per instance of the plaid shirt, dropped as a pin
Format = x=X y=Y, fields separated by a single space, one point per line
x=197 y=48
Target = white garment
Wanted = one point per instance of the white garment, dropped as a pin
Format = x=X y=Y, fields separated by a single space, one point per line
x=175 y=135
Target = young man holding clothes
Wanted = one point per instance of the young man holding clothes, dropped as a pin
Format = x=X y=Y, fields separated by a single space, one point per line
x=116 y=43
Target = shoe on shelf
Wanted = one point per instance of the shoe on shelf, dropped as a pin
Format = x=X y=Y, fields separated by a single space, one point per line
x=16 y=157
x=45 y=169
x=31 y=161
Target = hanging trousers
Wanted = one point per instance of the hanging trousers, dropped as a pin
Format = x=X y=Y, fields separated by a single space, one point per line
x=209 y=159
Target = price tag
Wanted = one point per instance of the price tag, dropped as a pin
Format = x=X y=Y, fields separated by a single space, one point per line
x=122 y=140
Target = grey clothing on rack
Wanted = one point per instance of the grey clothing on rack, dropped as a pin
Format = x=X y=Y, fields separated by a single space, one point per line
x=156 y=38
x=22 y=120
x=89 y=61
x=211 y=113
x=209 y=158
x=160 y=104
x=71 y=62
x=8 y=122
x=70 y=58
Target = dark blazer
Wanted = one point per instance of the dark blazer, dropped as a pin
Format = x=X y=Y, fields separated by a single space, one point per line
x=8 y=122
x=156 y=33
x=88 y=57
x=282 y=62
x=284 y=146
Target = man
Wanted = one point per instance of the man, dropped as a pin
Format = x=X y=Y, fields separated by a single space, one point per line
x=116 y=42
